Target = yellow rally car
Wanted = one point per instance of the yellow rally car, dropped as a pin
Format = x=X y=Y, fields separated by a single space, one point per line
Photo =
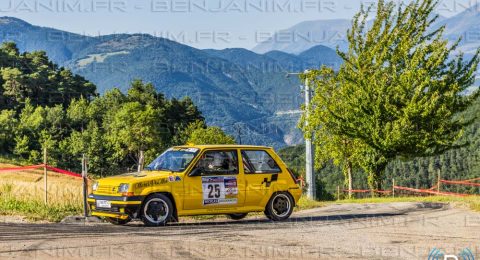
x=199 y=180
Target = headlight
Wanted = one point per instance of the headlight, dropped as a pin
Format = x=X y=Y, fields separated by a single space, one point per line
x=123 y=188
x=95 y=186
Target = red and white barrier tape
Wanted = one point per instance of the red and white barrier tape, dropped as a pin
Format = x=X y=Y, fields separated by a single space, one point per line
x=13 y=169
x=64 y=172
x=367 y=191
x=31 y=167
x=476 y=179
x=461 y=183
x=432 y=192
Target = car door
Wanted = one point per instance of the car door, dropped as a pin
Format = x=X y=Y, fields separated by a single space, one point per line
x=260 y=170
x=217 y=182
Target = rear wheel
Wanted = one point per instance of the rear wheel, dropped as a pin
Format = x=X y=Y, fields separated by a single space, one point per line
x=279 y=207
x=117 y=221
x=237 y=216
x=157 y=210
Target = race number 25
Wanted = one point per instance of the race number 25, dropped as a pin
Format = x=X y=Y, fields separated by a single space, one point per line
x=213 y=191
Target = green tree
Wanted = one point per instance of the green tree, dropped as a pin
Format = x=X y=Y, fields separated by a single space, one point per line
x=179 y=114
x=145 y=94
x=32 y=75
x=340 y=149
x=8 y=124
x=91 y=142
x=27 y=133
x=400 y=87
x=14 y=85
x=134 y=128
x=183 y=135
x=210 y=135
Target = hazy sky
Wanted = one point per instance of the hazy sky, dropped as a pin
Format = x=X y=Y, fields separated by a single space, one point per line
x=200 y=23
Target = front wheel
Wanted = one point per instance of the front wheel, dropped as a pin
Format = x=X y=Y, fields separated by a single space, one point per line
x=237 y=216
x=279 y=207
x=157 y=210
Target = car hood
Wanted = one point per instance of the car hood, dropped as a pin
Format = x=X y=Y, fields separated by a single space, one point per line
x=133 y=178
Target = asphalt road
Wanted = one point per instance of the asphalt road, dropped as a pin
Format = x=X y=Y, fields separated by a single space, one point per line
x=356 y=231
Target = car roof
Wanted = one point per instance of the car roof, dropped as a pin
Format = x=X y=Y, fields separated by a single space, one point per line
x=212 y=146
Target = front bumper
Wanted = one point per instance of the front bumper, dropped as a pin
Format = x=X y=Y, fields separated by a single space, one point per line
x=121 y=207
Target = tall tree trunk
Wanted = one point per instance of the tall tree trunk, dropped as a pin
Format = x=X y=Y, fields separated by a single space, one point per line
x=375 y=176
x=349 y=176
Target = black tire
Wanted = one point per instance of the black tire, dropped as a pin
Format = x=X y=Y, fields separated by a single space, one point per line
x=237 y=216
x=280 y=206
x=157 y=210
x=117 y=221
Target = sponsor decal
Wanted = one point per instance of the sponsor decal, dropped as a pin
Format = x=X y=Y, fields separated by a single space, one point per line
x=172 y=178
x=220 y=190
x=191 y=150
x=150 y=183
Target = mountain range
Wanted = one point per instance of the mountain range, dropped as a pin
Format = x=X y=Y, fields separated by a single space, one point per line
x=333 y=33
x=246 y=92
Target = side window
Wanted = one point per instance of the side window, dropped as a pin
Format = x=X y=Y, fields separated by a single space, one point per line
x=259 y=162
x=218 y=163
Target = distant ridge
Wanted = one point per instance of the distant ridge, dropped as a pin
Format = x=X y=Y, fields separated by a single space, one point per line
x=232 y=87
x=332 y=33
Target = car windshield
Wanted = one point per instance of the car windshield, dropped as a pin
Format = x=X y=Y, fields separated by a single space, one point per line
x=174 y=159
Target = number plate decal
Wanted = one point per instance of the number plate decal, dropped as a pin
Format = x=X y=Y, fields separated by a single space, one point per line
x=104 y=204
x=219 y=190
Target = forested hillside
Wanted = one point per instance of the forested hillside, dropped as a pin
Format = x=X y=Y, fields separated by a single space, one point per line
x=46 y=106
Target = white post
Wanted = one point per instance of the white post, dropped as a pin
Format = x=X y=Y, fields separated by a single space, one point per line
x=45 y=183
x=393 y=187
x=140 y=162
x=310 y=175
x=85 y=185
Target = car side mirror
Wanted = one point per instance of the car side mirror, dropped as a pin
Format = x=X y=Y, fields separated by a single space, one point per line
x=196 y=172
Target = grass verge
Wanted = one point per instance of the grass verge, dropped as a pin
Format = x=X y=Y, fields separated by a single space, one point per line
x=36 y=210
x=22 y=192
x=306 y=203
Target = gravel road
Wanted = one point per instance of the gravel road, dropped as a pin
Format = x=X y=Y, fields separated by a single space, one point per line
x=356 y=231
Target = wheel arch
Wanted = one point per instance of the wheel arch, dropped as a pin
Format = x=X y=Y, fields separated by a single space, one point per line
x=283 y=191
x=168 y=195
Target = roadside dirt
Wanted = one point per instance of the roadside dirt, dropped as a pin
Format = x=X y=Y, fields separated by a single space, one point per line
x=357 y=231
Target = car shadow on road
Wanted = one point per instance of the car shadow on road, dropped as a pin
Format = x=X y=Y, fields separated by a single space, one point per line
x=32 y=231
x=291 y=220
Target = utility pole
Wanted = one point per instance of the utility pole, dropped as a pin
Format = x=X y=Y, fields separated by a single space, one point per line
x=308 y=146
x=309 y=157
